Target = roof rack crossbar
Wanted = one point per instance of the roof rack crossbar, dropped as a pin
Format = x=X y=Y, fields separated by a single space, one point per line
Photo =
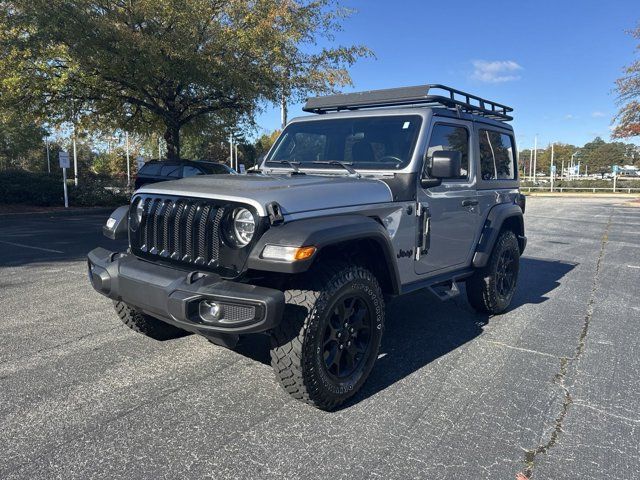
x=418 y=95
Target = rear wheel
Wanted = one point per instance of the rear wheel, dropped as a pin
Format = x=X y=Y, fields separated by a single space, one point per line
x=328 y=340
x=491 y=288
x=146 y=324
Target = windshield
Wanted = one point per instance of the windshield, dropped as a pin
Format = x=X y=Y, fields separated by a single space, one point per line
x=377 y=143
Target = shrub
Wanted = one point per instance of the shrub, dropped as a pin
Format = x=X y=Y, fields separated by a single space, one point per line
x=20 y=186
x=41 y=189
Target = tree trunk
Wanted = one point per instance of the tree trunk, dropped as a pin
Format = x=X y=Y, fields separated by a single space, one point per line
x=172 y=137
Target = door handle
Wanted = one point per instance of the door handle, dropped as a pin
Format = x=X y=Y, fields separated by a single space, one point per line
x=469 y=202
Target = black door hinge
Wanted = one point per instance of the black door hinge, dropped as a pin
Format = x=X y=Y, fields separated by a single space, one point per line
x=424 y=230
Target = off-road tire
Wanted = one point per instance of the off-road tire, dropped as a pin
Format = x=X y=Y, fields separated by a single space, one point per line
x=146 y=324
x=298 y=343
x=483 y=290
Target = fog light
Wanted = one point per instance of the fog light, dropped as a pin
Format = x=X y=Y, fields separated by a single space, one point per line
x=111 y=223
x=210 y=311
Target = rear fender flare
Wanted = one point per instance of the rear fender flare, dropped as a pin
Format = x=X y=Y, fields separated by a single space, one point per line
x=496 y=218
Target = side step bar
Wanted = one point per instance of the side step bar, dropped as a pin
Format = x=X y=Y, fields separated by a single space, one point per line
x=442 y=286
x=446 y=290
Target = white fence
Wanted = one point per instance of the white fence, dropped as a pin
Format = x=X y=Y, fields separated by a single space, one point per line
x=613 y=189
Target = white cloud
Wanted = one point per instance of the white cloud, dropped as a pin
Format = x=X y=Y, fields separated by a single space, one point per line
x=570 y=116
x=496 y=71
x=598 y=114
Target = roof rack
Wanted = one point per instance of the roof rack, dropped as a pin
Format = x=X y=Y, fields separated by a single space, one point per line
x=419 y=95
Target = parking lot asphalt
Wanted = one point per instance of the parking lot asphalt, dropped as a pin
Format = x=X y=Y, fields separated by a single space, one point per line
x=548 y=390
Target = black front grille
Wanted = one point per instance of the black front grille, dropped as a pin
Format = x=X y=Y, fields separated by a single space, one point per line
x=185 y=230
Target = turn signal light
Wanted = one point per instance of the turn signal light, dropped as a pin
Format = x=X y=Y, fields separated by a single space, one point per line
x=287 y=254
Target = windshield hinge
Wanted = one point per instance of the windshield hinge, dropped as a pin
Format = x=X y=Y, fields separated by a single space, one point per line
x=274 y=211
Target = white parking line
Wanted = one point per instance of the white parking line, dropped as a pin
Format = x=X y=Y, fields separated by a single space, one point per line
x=633 y=266
x=32 y=248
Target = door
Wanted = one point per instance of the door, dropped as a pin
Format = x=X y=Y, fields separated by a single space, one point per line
x=449 y=212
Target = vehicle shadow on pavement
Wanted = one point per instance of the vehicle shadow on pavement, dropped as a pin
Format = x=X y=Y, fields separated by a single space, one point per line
x=420 y=328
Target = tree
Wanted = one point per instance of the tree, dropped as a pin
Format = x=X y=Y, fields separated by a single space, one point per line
x=600 y=156
x=21 y=142
x=302 y=71
x=266 y=141
x=149 y=64
x=628 y=88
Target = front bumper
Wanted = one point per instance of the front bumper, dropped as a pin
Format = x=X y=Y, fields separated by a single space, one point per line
x=174 y=295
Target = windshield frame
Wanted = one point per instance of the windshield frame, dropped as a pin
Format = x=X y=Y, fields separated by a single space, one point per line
x=412 y=115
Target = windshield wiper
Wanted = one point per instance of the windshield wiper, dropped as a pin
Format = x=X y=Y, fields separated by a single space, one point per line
x=345 y=165
x=291 y=163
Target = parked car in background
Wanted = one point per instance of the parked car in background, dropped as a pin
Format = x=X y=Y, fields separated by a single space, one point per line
x=161 y=171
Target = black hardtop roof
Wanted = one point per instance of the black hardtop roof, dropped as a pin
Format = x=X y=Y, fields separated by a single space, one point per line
x=432 y=95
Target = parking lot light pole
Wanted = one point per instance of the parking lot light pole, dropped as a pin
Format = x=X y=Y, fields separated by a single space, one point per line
x=572 y=171
x=75 y=157
x=552 y=173
x=126 y=137
x=535 y=156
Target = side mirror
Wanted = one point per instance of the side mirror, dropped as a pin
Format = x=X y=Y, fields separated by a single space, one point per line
x=443 y=164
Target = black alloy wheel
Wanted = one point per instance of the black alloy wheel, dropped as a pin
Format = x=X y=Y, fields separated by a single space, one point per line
x=347 y=337
x=506 y=272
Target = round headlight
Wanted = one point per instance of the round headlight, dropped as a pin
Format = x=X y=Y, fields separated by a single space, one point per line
x=243 y=226
x=135 y=217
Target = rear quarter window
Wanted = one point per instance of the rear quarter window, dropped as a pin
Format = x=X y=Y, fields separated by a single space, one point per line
x=497 y=155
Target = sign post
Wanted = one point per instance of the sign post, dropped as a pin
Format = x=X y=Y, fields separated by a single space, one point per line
x=63 y=157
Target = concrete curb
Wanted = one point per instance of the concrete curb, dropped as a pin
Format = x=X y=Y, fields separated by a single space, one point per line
x=62 y=213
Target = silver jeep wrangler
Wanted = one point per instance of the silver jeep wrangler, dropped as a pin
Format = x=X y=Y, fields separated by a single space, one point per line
x=378 y=194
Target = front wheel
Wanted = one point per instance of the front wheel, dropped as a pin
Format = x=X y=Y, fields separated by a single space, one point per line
x=491 y=288
x=329 y=337
x=146 y=324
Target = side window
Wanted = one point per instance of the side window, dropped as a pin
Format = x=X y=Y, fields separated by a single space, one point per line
x=497 y=158
x=450 y=137
x=189 y=171
x=171 y=171
x=150 y=169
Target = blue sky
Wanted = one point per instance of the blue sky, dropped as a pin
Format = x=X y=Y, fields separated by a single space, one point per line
x=554 y=62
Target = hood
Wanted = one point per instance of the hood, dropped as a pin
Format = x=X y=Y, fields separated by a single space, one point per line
x=294 y=193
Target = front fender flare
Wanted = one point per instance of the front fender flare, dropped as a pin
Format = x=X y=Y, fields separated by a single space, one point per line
x=117 y=227
x=492 y=226
x=322 y=232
